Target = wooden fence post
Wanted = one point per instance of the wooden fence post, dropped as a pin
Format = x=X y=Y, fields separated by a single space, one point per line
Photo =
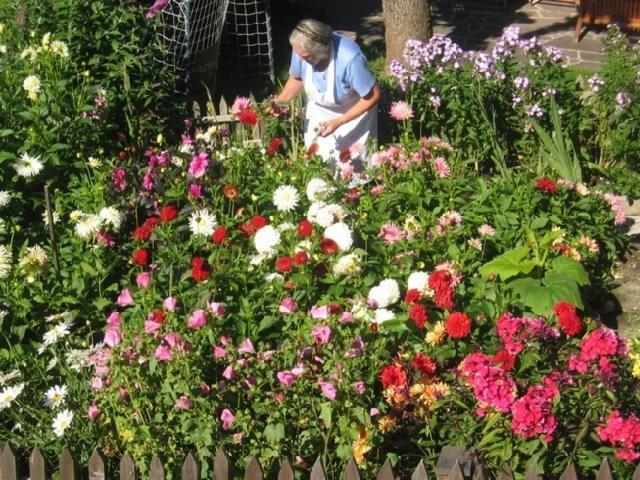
x=351 y=471
x=420 y=473
x=8 y=467
x=190 y=468
x=96 y=466
x=386 y=472
x=156 y=471
x=636 y=474
x=127 y=468
x=569 y=473
x=317 y=471
x=253 y=471
x=221 y=469
x=286 y=471
x=531 y=474
x=456 y=472
x=67 y=466
x=37 y=469
x=505 y=473
x=605 y=470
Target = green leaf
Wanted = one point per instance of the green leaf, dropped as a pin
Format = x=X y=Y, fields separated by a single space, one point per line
x=325 y=414
x=509 y=264
x=563 y=288
x=572 y=268
x=274 y=433
x=538 y=298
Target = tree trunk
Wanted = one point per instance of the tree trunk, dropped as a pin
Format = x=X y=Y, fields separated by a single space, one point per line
x=405 y=19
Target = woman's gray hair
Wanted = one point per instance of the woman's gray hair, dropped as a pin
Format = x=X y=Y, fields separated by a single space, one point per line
x=313 y=37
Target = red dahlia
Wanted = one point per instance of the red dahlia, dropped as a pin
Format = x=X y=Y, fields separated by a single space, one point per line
x=248 y=116
x=424 y=364
x=258 y=221
x=328 y=246
x=418 y=314
x=158 y=316
x=393 y=376
x=301 y=258
x=305 y=228
x=458 y=325
x=140 y=256
x=247 y=228
x=568 y=319
x=504 y=360
x=200 y=270
x=168 y=213
x=219 y=235
x=273 y=146
x=284 y=264
x=546 y=185
x=412 y=296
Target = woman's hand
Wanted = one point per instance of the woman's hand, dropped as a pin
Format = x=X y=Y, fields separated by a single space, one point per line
x=328 y=127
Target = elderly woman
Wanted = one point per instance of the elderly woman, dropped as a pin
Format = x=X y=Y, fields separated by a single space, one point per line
x=341 y=90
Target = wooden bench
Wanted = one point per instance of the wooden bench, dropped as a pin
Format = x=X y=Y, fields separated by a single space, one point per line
x=626 y=13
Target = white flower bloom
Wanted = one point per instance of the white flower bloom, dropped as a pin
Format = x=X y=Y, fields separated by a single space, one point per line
x=46 y=39
x=341 y=234
x=266 y=239
x=582 y=189
x=79 y=359
x=3 y=315
x=9 y=394
x=76 y=215
x=62 y=422
x=383 y=315
x=303 y=246
x=54 y=214
x=94 y=162
x=55 y=334
x=314 y=208
x=318 y=189
x=31 y=84
x=52 y=363
x=60 y=48
x=418 y=281
x=329 y=214
x=5 y=377
x=361 y=312
x=3 y=48
x=286 y=198
x=30 y=53
x=3 y=227
x=5 y=198
x=386 y=293
x=202 y=222
x=347 y=265
x=33 y=262
x=59 y=317
x=5 y=261
x=55 y=396
x=28 y=166
x=88 y=226
x=274 y=277
x=260 y=258
x=286 y=227
x=111 y=216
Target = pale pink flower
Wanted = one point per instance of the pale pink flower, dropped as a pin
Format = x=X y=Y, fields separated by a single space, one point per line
x=358 y=387
x=125 y=299
x=243 y=362
x=113 y=319
x=198 y=165
x=163 y=354
x=378 y=189
x=288 y=306
x=321 y=335
x=224 y=340
x=319 y=313
x=198 y=319
x=590 y=243
x=442 y=167
x=229 y=373
x=373 y=412
x=486 y=230
x=96 y=383
x=240 y=103
x=183 y=403
x=238 y=438
x=170 y=303
x=246 y=347
x=328 y=389
x=151 y=326
x=400 y=111
x=391 y=233
x=93 y=411
x=143 y=280
x=217 y=309
x=356 y=349
x=219 y=352
x=288 y=377
x=346 y=317
x=112 y=336
x=228 y=419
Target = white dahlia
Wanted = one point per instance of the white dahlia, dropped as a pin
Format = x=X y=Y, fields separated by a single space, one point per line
x=111 y=216
x=418 y=281
x=341 y=234
x=28 y=166
x=386 y=293
x=329 y=214
x=286 y=198
x=383 y=315
x=318 y=189
x=347 y=265
x=5 y=198
x=88 y=226
x=202 y=222
x=266 y=239
x=5 y=261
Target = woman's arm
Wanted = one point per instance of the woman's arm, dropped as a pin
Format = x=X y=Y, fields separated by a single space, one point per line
x=365 y=103
x=291 y=89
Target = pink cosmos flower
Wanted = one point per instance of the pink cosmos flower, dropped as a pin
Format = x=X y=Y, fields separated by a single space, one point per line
x=175 y=341
x=93 y=411
x=442 y=167
x=125 y=299
x=373 y=412
x=400 y=111
x=288 y=377
x=228 y=419
x=170 y=303
x=225 y=341
x=183 y=403
x=240 y=103
x=288 y=306
x=143 y=280
x=198 y=319
x=246 y=347
x=322 y=335
x=378 y=189
x=319 y=313
x=163 y=354
x=391 y=233
x=328 y=389
x=217 y=309
x=96 y=383
x=198 y=165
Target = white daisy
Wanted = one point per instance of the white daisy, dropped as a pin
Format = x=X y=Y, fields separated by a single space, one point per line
x=55 y=334
x=347 y=265
x=266 y=239
x=329 y=214
x=31 y=84
x=28 y=166
x=30 y=53
x=286 y=227
x=62 y=422
x=202 y=222
x=318 y=189
x=5 y=261
x=111 y=216
x=9 y=394
x=5 y=198
x=94 y=162
x=341 y=234
x=55 y=396
x=88 y=226
x=59 y=317
x=286 y=198
x=386 y=293
x=5 y=377
x=383 y=315
x=60 y=48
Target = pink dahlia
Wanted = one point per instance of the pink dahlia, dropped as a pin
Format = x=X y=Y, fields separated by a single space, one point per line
x=400 y=111
x=391 y=233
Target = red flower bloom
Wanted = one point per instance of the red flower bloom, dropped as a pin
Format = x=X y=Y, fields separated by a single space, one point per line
x=219 y=235
x=141 y=234
x=345 y=155
x=248 y=116
x=305 y=228
x=301 y=258
x=418 y=314
x=247 y=228
x=424 y=364
x=158 y=316
x=284 y=264
x=231 y=192
x=458 y=325
x=546 y=185
x=274 y=145
x=412 y=296
x=328 y=246
x=441 y=282
x=168 y=213
x=393 y=376
x=258 y=221
x=568 y=319
x=200 y=270
x=504 y=360
x=140 y=256
x=312 y=150
x=334 y=308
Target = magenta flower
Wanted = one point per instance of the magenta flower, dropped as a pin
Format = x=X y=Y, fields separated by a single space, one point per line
x=143 y=280
x=322 y=335
x=358 y=387
x=391 y=233
x=239 y=104
x=151 y=326
x=125 y=299
x=357 y=348
x=195 y=191
x=400 y=111
x=118 y=179
x=228 y=419
x=373 y=412
x=346 y=317
x=198 y=165
x=113 y=319
x=288 y=306
x=198 y=319
x=287 y=377
x=163 y=353
x=170 y=303
x=246 y=347
x=328 y=389
x=156 y=8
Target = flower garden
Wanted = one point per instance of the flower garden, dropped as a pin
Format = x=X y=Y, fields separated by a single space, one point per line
x=200 y=291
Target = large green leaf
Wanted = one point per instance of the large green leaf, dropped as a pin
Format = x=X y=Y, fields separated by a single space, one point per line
x=533 y=295
x=509 y=264
x=572 y=268
x=563 y=288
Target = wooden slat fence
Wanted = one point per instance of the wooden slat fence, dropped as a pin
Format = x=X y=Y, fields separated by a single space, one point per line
x=625 y=13
x=448 y=468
